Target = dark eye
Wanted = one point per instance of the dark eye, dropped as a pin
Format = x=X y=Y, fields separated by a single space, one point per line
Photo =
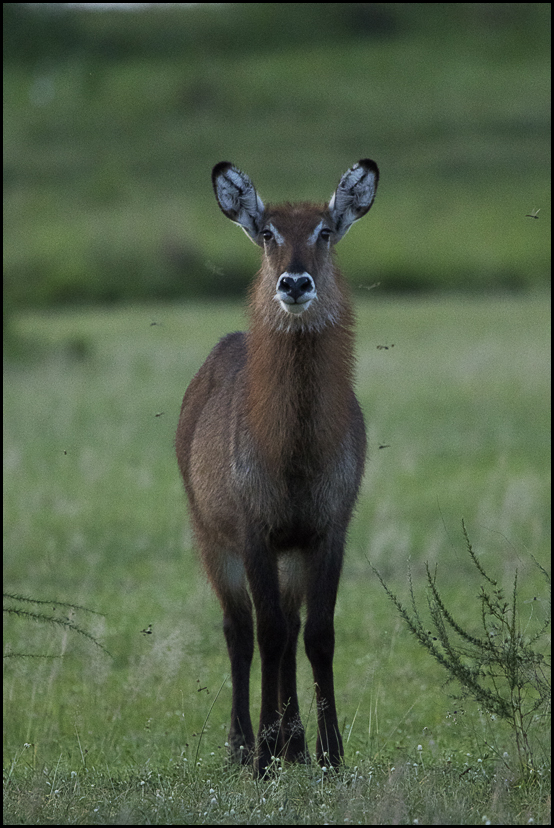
x=267 y=235
x=325 y=234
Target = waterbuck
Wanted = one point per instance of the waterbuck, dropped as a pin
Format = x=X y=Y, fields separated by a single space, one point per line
x=271 y=446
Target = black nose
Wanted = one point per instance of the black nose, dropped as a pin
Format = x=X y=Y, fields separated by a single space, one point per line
x=295 y=286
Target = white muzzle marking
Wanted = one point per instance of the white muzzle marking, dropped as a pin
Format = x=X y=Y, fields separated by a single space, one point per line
x=295 y=292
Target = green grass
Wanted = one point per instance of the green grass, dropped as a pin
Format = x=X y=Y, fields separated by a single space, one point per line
x=94 y=514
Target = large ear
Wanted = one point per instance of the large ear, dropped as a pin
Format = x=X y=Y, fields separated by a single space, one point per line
x=237 y=197
x=354 y=195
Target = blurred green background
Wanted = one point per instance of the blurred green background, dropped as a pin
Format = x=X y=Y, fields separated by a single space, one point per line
x=113 y=120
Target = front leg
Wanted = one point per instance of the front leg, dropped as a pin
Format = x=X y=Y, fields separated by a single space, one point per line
x=239 y=635
x=319 y=639
x=228 y=578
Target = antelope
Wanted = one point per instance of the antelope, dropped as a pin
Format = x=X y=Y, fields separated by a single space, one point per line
x=271 y=446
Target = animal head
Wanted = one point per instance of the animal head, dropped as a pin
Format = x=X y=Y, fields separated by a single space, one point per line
x=298 y=285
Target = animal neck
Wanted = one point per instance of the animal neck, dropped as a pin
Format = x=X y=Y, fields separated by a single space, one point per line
x=299 y=393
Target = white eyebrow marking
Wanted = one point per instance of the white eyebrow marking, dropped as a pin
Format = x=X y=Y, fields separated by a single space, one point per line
x=278 y=237
x=312 y=238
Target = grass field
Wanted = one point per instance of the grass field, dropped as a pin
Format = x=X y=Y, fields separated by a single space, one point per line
x=456 y=398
